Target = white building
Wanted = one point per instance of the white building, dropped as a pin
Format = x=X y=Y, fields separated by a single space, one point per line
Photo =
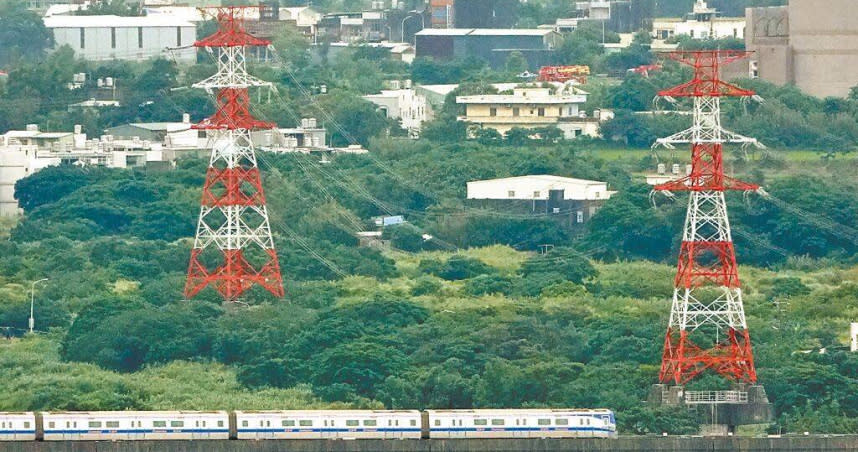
x=702 y=23
x=24 y=152
x=404 y=105
x=125 y=38
x=533 y=107
x=575 y=200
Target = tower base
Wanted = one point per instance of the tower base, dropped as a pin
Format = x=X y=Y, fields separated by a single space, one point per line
x=723 y=411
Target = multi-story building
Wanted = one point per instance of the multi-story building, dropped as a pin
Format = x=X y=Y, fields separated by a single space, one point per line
x=125 y=38
x=532 y=108
x=620 y=16
x=490 y=44
x=24 y=152
x=365 y=26
x=571 y=201
x=404 y=104
x=702 y=23
x=811 y=44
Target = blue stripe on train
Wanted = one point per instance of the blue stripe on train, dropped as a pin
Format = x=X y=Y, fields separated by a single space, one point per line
x=17 y=432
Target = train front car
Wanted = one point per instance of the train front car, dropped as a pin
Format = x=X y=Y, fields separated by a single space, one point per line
x=135 y=425
x=17 y=426
x=318 y=424
x=537 y=423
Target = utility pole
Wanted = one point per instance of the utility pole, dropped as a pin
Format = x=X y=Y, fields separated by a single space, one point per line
x=32 y=320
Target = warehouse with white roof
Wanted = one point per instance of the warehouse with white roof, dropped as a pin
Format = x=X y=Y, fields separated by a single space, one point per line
x=98 y=38
x=573 y=201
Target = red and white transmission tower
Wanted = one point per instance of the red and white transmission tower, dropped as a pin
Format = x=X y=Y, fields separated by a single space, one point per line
x=233 y=249
x=707 y=299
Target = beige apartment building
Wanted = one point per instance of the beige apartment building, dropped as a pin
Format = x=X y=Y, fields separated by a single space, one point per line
x=811 y=43
x=531 y=108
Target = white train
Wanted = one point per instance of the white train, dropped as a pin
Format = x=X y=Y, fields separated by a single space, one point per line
x=307 y=424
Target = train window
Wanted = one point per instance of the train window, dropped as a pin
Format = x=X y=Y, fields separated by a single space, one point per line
x=52 y=424
x=261 y=423
x=389 y=423
x=352 y=423
x=517 y=422
x=94 y=424
x=588 y=421
x=112 y=424
x=543 y=422
x=524 y=422
x=326 y=422
x=68 y=424
x=157 y=424
x=480 y=422
x=244 y=423
x=561 y=421
x=497 y=422
x=288 y=423
x=305 y=423
x=413 y=423
x=397 y=423
x=268 y=423
x=437 y=422
x=177 y=423
x=370 y=423
x=220 y=423
x=204 y=423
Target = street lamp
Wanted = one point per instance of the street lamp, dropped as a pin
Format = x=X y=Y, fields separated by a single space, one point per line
x=422 y=24
x=32 y=300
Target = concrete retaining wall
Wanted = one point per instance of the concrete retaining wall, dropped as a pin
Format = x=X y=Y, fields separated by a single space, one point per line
x=834 y=443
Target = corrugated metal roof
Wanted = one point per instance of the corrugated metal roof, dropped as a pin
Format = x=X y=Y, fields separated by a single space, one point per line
x=445 y=32
x=157 y=20
x=545 y=178
x=511 y=32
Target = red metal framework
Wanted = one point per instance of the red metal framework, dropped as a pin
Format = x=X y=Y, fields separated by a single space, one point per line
x=233 y=249
x=707 y=297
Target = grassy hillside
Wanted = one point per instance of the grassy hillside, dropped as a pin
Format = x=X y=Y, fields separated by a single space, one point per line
x=473 y=318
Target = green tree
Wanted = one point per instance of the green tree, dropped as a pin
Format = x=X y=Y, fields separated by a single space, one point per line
x=23 y=35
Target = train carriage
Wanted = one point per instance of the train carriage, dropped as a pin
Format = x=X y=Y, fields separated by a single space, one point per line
x=17 y=426
x=135 y=425
x=321 y=424
x=537 y=423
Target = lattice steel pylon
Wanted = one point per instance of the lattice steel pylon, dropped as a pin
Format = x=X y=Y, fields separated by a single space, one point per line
x=707 y=298
x=234 y=248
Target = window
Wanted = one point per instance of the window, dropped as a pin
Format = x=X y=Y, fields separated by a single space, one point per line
x=82 y=38
x=560 y=111
x=597 y=195
x=510 y=193
x=493 y=111
x=177 y=423
x=140 y=37
x=52 y=424
x=515 y=111
x=244 y=423
x=288 y=423
x=561 y=421
x=437 y=423
x=537 y=194
x=480 y=422
x=352 y=423
x=579 y=218
x=497 y=422
x=220 y=423
x=112 y=37
x=94 y=424
x=370 y=423
x=413 y=423
x=305 y=423
x=112 y=424
x=540 y=111
x=178 y=36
